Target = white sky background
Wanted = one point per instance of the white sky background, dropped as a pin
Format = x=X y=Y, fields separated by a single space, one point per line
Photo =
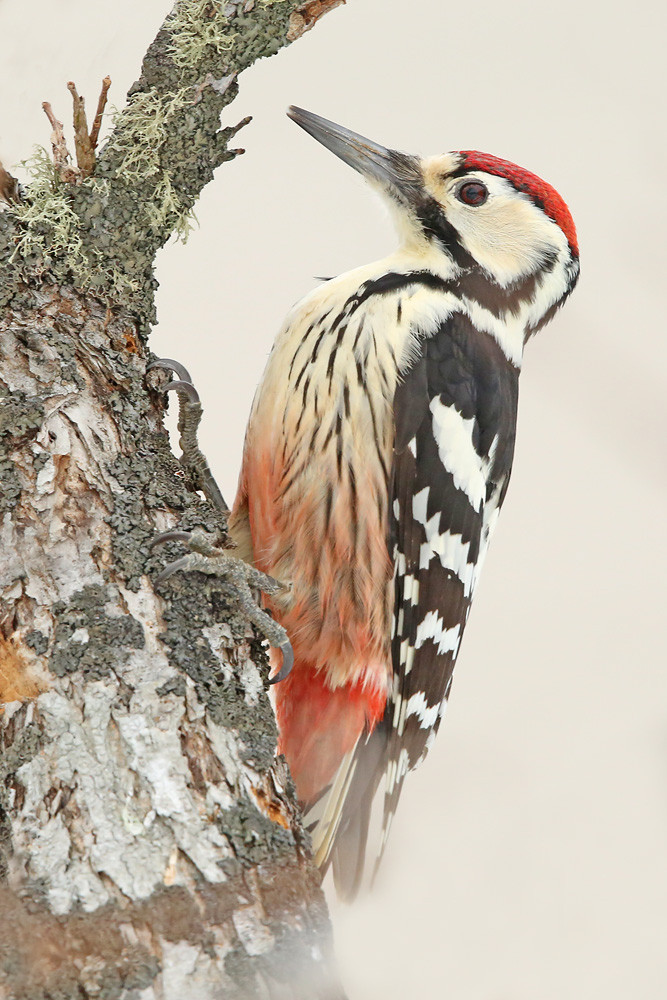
x=528 y=859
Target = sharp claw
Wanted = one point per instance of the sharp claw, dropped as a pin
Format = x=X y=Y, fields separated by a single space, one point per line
x=170 y=569
x=173 y=535
x=288 y=663
x=171 y=366
x=186 y=387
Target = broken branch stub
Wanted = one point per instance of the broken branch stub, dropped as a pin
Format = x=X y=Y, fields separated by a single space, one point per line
x=307 y=16
x=9 y=187
x=85 y=142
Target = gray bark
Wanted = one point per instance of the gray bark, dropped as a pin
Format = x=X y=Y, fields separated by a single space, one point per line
x=150 y=841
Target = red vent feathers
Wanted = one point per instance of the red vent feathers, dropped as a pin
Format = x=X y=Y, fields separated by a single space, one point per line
x=543 y=193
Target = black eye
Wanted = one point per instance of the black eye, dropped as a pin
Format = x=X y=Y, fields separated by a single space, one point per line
x=472 y=193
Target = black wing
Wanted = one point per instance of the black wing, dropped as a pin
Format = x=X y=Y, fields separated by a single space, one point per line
x=455 y=416
x=455 y=420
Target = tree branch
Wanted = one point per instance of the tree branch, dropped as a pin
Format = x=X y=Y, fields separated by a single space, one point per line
x=163 y=149
x=101 y=105
x=9 y=190
x=150 y=840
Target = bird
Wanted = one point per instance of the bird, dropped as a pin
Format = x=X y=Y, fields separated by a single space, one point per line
x=376 y=460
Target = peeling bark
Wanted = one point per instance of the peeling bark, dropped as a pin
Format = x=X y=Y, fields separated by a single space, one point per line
x=150 y=841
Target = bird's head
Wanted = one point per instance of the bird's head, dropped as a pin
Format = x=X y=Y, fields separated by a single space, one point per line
x=490 y=217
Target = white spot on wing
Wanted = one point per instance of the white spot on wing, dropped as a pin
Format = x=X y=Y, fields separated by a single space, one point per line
x=453 y=553
x=453 y=436
x=432 y=627
x=410 y=590
x=427 y=714
x=397 y=770
x=420 y=504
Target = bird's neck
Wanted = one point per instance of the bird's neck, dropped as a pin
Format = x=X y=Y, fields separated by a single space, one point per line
x=442 y=288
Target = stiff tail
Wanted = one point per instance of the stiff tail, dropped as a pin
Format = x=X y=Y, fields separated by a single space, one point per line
x=340 y=746
x=340 y=820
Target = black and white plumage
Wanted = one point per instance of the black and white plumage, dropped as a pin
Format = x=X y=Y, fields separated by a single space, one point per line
x=391 y=395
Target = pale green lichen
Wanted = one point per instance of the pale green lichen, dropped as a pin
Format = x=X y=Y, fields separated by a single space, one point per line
x=50 y=233
x=141 y=129
x=49 y=225
x=102 y=233
x=197 y=27
x=171 y=209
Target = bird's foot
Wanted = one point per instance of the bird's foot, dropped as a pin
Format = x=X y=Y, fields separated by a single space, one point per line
x=190 y=412
x=207 y=549
x=207 y=556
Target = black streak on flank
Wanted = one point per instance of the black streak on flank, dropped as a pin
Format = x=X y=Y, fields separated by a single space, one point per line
x=346 y=400
x=334 y=353
x=302 y=373
x=377 y=441
x=328 y=504
x=316 y=346
x=305 y=338
x=304 y=394
x=338 y=320
x=354 y=516
x=360 y=372
x=339 y=445
x=293 y=477
x=358 y=334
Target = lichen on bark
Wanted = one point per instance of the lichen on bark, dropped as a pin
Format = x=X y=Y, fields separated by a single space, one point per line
x=149 y=836
x=103 y=233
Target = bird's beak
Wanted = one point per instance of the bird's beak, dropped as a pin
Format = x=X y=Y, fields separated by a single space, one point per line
x=395 y=171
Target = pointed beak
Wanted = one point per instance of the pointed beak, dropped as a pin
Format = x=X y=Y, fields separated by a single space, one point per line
x=397 y=172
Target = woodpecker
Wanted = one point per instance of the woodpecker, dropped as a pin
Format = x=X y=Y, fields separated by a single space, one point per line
x=377 y=458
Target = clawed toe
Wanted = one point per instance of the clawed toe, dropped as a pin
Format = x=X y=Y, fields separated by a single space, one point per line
x=173 y=535
x=185 y=387
x=189 y=418
x=169 y=365
x=288 y=663
x=207 y=556
x=173 y=567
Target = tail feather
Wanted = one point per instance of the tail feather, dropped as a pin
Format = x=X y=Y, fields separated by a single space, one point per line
x=349 y=853
x=340 y=820
x=331 y=808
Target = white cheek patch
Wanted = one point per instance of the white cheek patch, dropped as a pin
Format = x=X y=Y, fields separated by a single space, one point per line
x=551 y=289
x=508 y=235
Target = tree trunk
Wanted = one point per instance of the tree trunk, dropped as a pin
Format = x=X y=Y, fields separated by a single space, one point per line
x=150 y=842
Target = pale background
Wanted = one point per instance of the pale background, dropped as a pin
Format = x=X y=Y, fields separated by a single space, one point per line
x=528 y=860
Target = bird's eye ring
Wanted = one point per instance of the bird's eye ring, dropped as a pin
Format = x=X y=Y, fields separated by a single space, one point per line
x=473 y=193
